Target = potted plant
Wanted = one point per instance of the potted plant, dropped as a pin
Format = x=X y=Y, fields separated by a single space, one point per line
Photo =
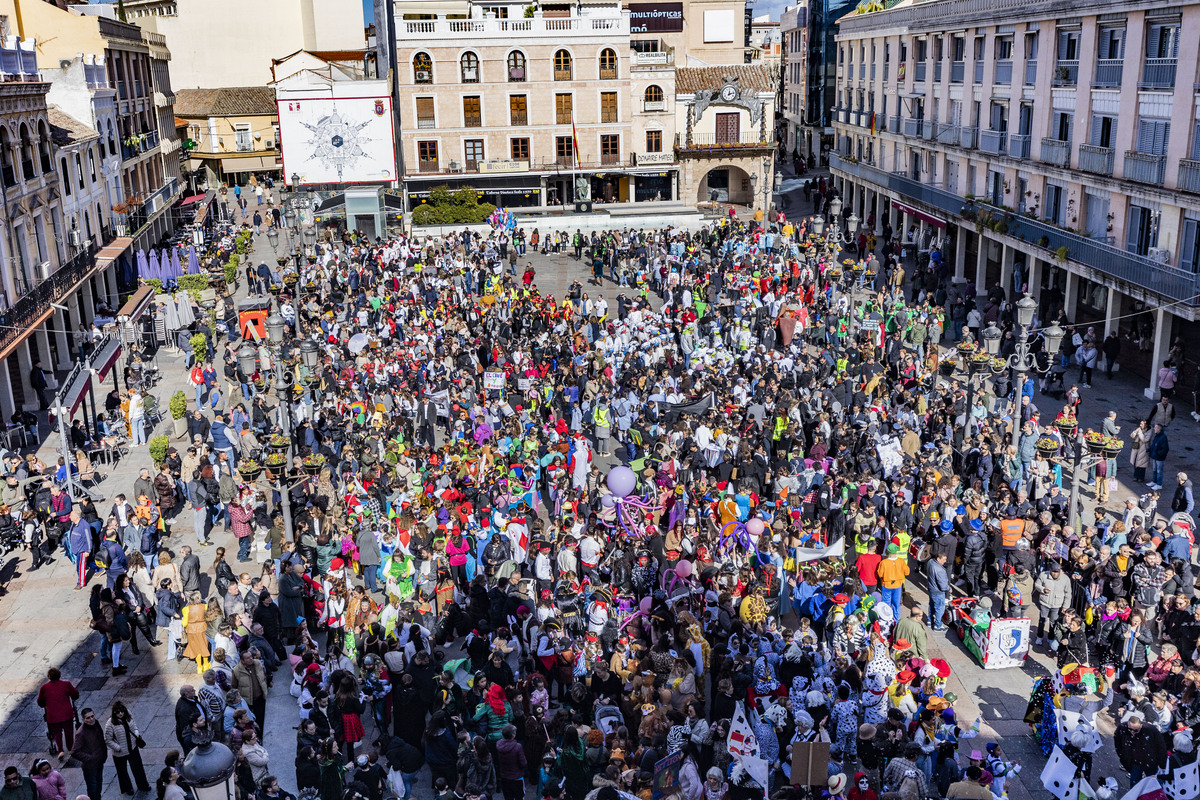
x=275 y=464
x=278 y=443
x=249 y=469
x=1113 y=446
x=1094 y=441
x=1066 y=424
x=199 y=344
x=1060 y=255
x=158 y=449
x=966 y=347
x=999 y=365
x=178 y=407
x=981 y=359
x=947 y=366
x=1046 y=446
x=314 y=463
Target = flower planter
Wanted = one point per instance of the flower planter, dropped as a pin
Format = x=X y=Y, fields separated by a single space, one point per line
x=250 y=473
x=1094 y=447
x=1112 y=449
x=1066 y=427
x=947 y=368
x=999 y=366
x=272 y=447
x=1047 y=451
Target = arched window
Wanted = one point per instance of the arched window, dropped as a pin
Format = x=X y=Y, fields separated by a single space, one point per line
x=608 y=64
x=28 y=167
x=654 y=94
x=43 y=148
x=470 y=68
x=562 y=66
x=516 y=66
x=6 y=158
x=422 y=68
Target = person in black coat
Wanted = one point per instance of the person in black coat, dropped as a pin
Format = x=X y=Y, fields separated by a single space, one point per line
x=1140 y=747
x=267 y=614
x=308 y=771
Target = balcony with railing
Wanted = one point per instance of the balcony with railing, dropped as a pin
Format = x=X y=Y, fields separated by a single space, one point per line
x=135 y=144
x=862 y=71
x=1108 y=73
x=518 y=118
x=608 y=73
x=1031 y=72
x=426 y=123
x=1018 y=145
x=1170 y=282
x=919 y=70
x=428 y=165
x=1056 y=152
x=957 y=70
x=1189 y=176
x=458 y=30
x=968 y=136
x=1158 y=73
x=19 y=320
x=979 y=71
x=1003 y=72
x=562 y=74
x=894 y=123
x=473 y=120
x=1096 y=159
x=18 y=60
x=947 y=133
x=1145 y=167
x=994 y=142
x=712 y=142
x=912 y=127
x=1066 y=72
x=927 y=129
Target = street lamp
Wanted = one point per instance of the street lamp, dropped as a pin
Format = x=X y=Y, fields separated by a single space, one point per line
x=753 y=188
x=1022 y=360
x=209 y=768
x=273 y=238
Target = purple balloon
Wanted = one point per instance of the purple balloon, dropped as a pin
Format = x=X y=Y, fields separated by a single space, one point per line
x=621 y=481
x=608 y=501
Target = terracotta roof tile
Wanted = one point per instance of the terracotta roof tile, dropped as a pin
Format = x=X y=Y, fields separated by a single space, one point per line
x=692 y=79
x=236 y=101
x=66 y=130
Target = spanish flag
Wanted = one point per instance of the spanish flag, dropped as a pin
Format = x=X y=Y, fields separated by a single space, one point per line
x=574 y=142
x=872 y=123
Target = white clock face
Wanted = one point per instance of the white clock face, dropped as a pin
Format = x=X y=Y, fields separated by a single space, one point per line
x=728 y=94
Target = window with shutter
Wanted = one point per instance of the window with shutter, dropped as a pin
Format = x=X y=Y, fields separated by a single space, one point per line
x=1189 y=247
x=1097 y=216
x=1196 y=141
x=1102 y=130
x=1153 y=136
x=425 y=113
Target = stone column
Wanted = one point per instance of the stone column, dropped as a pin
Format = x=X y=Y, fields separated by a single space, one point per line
x=7 y=403
x=1070 y=295
x=25 y=364
x=1162 y=344
x=960 y=254
x=1112 y=313
x=1006 y=267
x=1033 y=277
x=59 y=322
x=981 y=266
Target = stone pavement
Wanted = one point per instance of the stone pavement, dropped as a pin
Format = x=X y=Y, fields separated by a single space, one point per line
x=46 y=624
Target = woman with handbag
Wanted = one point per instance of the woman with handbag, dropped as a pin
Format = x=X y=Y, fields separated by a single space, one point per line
x=139 y=611
x=123 y=738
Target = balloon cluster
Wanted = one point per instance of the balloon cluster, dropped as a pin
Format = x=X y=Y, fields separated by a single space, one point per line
x=622 y=508
x=735 y=534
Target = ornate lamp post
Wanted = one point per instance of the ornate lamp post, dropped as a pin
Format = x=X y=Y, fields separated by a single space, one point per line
x=1022 y=360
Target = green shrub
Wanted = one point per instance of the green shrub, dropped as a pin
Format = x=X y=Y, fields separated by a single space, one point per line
x=193 y=284
x=178 y=405
x=199 y=347
x=158 y=449
x=156 y=283
x=460 y=207
x=231 y=273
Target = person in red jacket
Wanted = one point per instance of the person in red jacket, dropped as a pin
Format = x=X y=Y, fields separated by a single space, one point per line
x=58 y=698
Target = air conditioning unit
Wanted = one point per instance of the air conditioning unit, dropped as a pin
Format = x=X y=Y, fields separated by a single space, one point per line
x=424 y=76
x=76 y=238
x=270 y=145
x=1160 y=254
x=455 y=166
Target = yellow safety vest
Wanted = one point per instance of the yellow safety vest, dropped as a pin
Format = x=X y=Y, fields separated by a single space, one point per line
x=600 y=417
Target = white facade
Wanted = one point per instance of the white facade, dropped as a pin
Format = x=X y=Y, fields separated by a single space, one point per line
x=793 y=30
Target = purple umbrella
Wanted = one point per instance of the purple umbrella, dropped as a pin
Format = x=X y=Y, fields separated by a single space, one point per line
x=155 y=267
x=176 y=271
x=193 y=262
x=143 y=267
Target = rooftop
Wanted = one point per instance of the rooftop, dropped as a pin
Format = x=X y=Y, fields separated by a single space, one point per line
x=66 y=130
x=234 y=101
x=689 y=80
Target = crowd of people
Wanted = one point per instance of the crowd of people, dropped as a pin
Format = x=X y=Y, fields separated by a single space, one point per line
x=539 y=544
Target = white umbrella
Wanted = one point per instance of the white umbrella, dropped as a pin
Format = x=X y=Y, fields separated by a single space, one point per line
x=357 y=342
x=186 y=317
x=170 y=314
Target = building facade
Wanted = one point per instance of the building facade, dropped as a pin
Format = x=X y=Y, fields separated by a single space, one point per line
x=221 y=42
x=726 y=144
x=534 y=111
x=1058 y=154
x=233 y=132
x=793 y=31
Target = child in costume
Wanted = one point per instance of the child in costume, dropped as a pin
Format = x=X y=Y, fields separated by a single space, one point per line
x=1000 y=768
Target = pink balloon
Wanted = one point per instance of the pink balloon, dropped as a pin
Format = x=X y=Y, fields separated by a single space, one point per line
x=755 y=527
x=683 y=569
x=645 y=605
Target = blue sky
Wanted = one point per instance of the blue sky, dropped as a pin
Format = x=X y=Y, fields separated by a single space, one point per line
x=368 y=12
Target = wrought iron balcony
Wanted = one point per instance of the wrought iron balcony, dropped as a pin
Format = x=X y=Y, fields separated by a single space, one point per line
x=1031 y=72
x=993 y=142
x=1158 y=73
x=1189 y=176
x=1003 y=74
x=957 y=70
x=1066 y=72
x=1093 y=158
x=1018 y=145
x=1108 y=72
x=1056 y=152
x=1145 y=167
x=968 y=136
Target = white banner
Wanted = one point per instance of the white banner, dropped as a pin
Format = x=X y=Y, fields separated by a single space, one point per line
x=1007 y=644
x=835 y=550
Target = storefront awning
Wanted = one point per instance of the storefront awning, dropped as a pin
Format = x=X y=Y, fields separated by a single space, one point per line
x=113 y=250
x=196 y=198
x=253 y=164
x=912 y=212
x=137 y=303
x=76 y=386
x=105 y=357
